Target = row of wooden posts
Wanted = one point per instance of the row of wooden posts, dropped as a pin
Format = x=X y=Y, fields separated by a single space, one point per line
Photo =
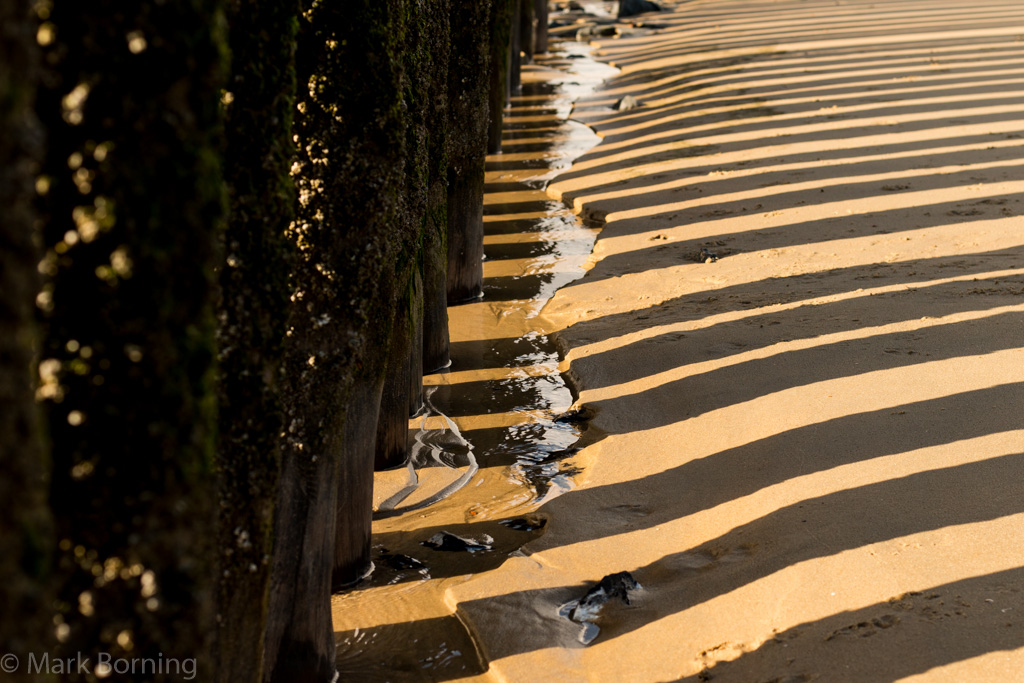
x=232 y=231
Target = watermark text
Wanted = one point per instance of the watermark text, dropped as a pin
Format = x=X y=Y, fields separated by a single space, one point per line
x=101 y=665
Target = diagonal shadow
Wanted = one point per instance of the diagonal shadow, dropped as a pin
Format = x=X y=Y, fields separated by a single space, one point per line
x=682 y=120
x=793 y=288
x=843 y=136
x=705 y=483
x=668 y=352
x=850 y=189
x=943 y=625
x=927 y=158
x=834 y=523
x=704 y=392
x=739 y=236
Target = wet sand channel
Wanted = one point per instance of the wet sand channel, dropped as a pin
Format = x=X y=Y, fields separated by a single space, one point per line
x=496 y=440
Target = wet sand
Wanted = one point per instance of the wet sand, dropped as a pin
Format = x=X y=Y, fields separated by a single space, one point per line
x=810 y=451
x=494 y=445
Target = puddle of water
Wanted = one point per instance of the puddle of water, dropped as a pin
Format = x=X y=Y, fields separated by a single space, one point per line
x=488 y=450
x=440 y=651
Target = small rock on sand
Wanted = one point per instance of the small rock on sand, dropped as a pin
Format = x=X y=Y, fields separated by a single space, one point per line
x=628 y=8
x=449 y=542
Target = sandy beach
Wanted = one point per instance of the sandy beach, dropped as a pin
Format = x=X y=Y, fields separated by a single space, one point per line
x=800 y=342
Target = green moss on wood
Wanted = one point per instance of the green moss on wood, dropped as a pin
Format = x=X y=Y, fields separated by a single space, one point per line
x=254 y=280
x=425 y=52
x=349 y=173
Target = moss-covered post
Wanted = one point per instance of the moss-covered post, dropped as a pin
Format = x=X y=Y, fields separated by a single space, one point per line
x=387 y=281
x=425 y=61
x=468 y=87
x=254 y=280
x=503 y=18
x=349 y=171
x=133 y=207
x=435 y=221
x=26 y=540
x=540 y=42
x=403 y=376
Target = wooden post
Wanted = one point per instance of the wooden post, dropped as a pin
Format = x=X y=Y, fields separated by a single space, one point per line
x=351 y=558
x=500 y=69
x=540 y=10
x=435 y=223
x=393 y=420
x=425 y=56
x=515 y=50
x=131 y=219
x=349 y=172
x=254 y=281
x=26 y=526
x=527 y=29
x=468 y=87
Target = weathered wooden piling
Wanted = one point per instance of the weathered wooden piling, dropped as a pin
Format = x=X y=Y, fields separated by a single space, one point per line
x=468 y=88
x=540 y=11
x=26 y=531
x=502 y=20
x=527 y=30
x=391 y=443
x=435 y=218
x=348 y=169
x=515 y=50
x=425 y=54
x=132 y=210
x=327 y=227
x=254 y=282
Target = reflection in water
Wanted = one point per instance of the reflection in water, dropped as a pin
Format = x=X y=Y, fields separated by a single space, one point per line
x=503 y=363
x=489 y=448
x=438 y=447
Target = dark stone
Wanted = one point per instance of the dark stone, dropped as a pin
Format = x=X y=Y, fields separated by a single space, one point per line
x=400 y=562
x=525 y=523
x=629 y=8
x=706 y=256
x=612 y=586
x=449 y=542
